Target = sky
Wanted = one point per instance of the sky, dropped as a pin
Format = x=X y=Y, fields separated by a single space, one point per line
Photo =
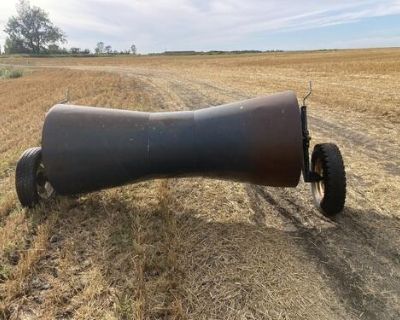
x=168 y=25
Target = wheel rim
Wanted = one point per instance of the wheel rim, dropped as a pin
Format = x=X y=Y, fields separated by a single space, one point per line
x=44 y=188
x=318 y=187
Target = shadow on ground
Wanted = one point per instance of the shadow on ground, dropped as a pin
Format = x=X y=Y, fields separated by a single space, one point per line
x=359 y=255
x=112 y=253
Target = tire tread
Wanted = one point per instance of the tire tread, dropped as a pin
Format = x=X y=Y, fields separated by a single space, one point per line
x=334 y=178
x=25 y=177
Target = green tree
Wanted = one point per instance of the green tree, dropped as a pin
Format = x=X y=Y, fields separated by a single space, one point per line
x=99 y=48
x=133 y=49
x=54 y=49
x=15 y=46
x=75 y=50
x=32 y=28
x=108 y=49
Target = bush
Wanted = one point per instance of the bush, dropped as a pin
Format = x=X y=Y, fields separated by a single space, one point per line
x=10 y=74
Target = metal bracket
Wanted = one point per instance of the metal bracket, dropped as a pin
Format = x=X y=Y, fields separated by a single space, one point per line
x=307 y=174
x=66 y=99
x=308 y=94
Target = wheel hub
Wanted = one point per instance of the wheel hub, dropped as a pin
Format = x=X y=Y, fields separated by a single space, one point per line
x=44 y=188
x=318 y=187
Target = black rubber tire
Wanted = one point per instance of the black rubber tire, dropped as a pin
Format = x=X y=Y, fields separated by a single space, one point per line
x=333 y=199
x=25 y=177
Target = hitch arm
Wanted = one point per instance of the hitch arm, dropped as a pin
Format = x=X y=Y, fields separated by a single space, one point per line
x=308 y=175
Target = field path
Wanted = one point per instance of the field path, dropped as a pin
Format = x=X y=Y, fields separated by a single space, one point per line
x=239 y=251
x=357 y=252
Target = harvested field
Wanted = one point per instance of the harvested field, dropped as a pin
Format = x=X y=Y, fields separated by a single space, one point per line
x=197 y=248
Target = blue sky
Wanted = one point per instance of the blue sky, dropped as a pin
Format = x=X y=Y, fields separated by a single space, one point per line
x=158 y=25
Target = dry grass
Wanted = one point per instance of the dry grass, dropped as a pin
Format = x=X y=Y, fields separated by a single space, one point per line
x=198 y=248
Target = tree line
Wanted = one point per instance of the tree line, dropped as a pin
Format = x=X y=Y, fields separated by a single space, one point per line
x=32 y=32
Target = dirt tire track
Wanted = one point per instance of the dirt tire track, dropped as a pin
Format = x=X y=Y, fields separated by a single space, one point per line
x=386 y=153
x=341 y=249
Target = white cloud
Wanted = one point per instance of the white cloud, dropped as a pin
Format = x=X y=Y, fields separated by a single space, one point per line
x=157 y=25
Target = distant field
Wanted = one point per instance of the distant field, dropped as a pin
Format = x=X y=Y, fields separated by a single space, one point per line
x=199 y=248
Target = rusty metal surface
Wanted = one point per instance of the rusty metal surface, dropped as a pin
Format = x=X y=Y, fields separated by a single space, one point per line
x=257 y=140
